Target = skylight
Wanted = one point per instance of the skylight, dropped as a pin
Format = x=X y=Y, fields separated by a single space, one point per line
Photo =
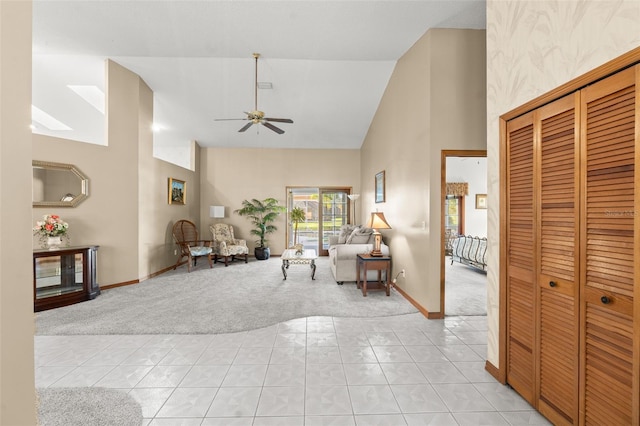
x=91 y=94
x=46 y=120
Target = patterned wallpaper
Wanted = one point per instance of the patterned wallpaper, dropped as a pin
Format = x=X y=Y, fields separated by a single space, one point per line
x=533 y=47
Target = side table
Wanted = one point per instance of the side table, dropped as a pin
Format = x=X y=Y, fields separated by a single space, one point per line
x=375 y=263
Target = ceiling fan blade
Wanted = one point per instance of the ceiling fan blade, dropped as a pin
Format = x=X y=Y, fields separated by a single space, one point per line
x=272 y=127
x=280 y=120
x=246 y=126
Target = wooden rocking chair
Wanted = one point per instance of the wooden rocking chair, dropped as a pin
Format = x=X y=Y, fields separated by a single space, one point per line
x=185 y=235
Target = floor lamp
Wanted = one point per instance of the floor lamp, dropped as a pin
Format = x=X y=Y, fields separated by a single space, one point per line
x=354 y=198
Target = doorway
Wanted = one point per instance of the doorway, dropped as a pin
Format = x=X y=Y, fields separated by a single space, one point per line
x=463 y=200
x=325 y=211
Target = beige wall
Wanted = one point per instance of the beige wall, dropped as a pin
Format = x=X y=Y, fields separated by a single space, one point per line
x=532 y=48
x=126 y=213
x=435 y=100
x=17 y=391
x=232 y=175
x=157 y=216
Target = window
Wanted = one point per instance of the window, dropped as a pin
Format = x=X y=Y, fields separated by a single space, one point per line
x=454 y=214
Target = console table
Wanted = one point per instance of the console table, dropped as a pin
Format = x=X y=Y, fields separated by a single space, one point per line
x=377 y=263
x=64 y=277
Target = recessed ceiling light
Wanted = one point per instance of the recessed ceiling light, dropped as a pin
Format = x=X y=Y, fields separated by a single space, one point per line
x=155 y=127
x=265 y=85
x=92 y=94
x=46 y=120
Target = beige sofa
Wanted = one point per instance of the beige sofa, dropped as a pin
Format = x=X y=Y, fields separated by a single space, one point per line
x=345 y=247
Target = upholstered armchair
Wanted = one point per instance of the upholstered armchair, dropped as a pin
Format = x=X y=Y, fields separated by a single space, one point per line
x=185 y=234
x=225 y=245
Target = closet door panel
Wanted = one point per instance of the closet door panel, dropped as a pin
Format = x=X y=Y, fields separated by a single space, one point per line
x=520 y=258
x=609 y=362
x=609 y=249
x=558 y=234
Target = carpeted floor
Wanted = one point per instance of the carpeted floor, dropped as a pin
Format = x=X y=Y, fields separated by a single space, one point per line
x=219 y=300
x=465 y=290
x=87 y=406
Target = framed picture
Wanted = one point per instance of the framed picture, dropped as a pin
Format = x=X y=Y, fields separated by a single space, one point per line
x=177 y=191
x=481 y=201
x=379 y=185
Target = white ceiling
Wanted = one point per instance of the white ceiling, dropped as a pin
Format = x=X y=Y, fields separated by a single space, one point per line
x=329 y=63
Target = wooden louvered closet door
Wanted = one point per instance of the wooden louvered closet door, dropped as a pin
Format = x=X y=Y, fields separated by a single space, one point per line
x=520 y=257
x=573 y=254
x=557 y=234
x=609 y=246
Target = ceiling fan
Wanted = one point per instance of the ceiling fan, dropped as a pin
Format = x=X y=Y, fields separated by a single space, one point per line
x=256 y=116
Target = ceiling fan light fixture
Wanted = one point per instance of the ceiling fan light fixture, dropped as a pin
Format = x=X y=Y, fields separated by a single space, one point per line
x=256 y=116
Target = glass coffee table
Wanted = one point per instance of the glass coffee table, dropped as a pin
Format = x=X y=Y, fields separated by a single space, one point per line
x=308 y=257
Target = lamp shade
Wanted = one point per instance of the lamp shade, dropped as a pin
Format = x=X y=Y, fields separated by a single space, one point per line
x=377 y=221
x=353 y=197
x=216 y=211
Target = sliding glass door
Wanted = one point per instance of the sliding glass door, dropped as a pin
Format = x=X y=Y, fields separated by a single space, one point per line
x=325 y=211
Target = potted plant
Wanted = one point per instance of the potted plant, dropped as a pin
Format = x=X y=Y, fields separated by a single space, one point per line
x=297 y=215
x=262 y=214
x=51 y=230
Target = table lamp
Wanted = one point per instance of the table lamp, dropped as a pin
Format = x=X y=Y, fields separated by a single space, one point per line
x=216 y=212
x=376 y=222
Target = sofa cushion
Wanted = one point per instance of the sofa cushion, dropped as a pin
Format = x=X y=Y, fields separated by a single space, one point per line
x=345 y=233
x=360 y=235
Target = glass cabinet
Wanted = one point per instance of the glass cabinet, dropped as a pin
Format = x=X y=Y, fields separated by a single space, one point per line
x=63 y=277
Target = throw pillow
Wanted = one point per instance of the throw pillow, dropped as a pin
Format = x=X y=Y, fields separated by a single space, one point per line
x=345 y=232
x=360 y=235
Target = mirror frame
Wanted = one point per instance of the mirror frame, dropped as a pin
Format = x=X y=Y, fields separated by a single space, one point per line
x=84 y=184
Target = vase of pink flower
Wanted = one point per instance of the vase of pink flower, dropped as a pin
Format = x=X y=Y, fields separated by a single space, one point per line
x=51 y=230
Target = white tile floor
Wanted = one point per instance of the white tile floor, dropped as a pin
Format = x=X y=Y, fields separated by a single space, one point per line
x=404 y=370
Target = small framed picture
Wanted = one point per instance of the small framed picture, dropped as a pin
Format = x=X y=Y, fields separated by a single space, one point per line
x=379 y=187
x=481 y=201
x=177 y=191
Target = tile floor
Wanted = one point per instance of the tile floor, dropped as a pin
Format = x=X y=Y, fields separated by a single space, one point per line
x=403 y=370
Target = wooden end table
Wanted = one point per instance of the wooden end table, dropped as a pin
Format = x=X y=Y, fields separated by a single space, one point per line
x=375 y=263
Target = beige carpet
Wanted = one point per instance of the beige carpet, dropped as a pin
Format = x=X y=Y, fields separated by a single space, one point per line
x=465 y=290
x=219 y=300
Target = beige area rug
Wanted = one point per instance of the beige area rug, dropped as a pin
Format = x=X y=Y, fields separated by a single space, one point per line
x=87 y=406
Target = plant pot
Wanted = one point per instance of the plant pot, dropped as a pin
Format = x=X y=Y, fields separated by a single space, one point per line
x=262 y=253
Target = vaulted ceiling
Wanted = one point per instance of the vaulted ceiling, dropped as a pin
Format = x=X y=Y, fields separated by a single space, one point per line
x=329 y=63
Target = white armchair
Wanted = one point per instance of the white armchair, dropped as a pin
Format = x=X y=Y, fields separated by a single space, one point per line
x=225 y=245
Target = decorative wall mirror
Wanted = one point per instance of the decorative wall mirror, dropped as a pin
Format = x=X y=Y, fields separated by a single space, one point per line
x=58 y=185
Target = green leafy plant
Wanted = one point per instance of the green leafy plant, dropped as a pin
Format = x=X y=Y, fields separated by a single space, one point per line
x=296 y=215
x=262 y=214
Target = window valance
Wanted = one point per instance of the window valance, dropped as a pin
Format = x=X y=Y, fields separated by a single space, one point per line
x=459 y=189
